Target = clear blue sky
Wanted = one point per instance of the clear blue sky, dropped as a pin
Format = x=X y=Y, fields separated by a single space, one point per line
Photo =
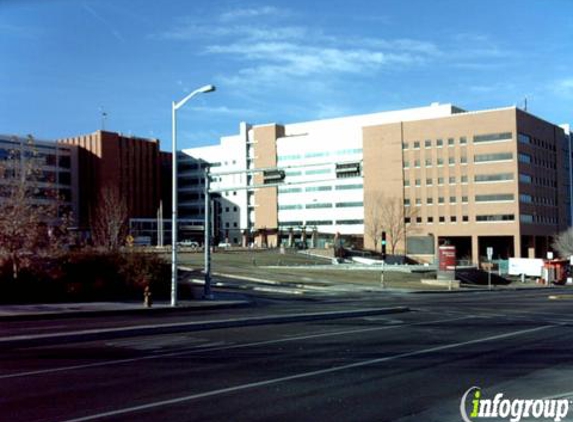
x=275 y=61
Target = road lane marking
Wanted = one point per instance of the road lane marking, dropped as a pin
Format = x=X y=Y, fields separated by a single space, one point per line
x=216 y=349
x=302 y=375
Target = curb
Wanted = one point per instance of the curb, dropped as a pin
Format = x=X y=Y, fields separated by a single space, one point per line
x=208 y=306
x=111 y=333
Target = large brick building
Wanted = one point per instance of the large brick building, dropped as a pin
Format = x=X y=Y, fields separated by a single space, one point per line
x=131 y=165
x=499 y=178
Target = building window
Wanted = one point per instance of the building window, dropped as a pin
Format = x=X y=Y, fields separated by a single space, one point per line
x=451 y=142
x=463 y=159
x=499 y=197
x=406 y=164
x=290 y=207
x=452 y=199
x=319 y=223
x=497 y=177
x=406 y=202
x=429 y=182
x=526 y=218
x=464 y=199
x=524 y=158
x=528 y=199
x=418 y=219
x=453 y=219
x=429 y=201
x=234 y=224
x=349 y=187
x=464 y=179
x=318 y=189
x=493 y=137
x=350 y=222
x=525 y=178
x=418 y=182
x=406 y=183
x=428 y=162
x=465 y=218
x=404 y=145
x=442 y=219
x=407 y=220
x=452 y=180
x=349 y=204
x=523 y=138
x=463 y=140
x=440 y=200
x=439 y=143
x=227 y=225
x=501 y=156
x=430 y=220
x=418 y=201
x=440 y=161
x=290 y=190
x=451 y=161
x=417 y=163
x=427 y=143
x=495 y=217
x=416 y=145
x=319 y=205
x=440 y=180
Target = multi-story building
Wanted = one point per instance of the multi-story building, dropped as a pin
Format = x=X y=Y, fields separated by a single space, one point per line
x=55 y=167
x=130 y=165
x=494 y=178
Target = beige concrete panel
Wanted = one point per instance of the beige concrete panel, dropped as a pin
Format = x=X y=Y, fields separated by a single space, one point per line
x=265 y=151
x=383 y=175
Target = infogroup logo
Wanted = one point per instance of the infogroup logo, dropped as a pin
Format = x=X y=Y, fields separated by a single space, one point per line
x=474 y=406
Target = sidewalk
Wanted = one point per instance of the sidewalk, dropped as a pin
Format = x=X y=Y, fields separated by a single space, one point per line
x=71 y=310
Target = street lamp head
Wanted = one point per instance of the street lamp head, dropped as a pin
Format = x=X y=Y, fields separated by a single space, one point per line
x=207 y=88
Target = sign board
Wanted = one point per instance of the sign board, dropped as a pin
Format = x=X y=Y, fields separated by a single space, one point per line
x=529 y=266
x=549 y=255
x=489 y=253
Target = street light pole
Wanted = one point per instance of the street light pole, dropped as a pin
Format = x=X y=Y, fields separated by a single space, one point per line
x=174 y=107
x=207 y=294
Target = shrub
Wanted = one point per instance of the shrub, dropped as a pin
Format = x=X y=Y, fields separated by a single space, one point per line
x=87 y=275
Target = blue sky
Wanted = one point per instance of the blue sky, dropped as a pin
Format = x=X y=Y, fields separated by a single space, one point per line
x=62 y=61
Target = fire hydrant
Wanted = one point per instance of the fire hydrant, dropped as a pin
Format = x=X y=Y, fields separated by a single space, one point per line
x=147 y=299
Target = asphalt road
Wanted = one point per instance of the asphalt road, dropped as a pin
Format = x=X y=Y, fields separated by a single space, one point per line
x=412 y=366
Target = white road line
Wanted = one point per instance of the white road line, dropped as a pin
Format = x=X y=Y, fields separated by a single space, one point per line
x=301 y=375
x=215 y=349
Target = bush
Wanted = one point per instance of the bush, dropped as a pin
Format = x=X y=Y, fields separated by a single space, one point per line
x=87 y=275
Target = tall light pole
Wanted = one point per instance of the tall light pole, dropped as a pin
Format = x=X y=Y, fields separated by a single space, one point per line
x=174 y=107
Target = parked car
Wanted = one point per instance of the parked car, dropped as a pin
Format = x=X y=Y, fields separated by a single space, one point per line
x=224 y=245
x=189 y=244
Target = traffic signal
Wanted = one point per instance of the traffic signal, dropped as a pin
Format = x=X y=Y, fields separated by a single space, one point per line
x=383 y=242
x=344 y=170
x=273 y=176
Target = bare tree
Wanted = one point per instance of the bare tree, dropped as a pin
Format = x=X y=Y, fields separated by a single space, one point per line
x=110 y=219
x=388 y=214
x=563 y=243
x=375 y=221
x=28 y=209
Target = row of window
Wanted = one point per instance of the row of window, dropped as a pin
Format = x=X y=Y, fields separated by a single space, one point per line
x=439 y=162
x=320 y=188
x=500 y=197
x=320 y=205
x=526 y=139
x=316 y=154
x=490 y=137
x=293 y=224
x=465 y=219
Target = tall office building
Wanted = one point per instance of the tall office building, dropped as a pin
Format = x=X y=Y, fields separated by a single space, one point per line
x=129 y=164
x=56 y=180
x=493 y=178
